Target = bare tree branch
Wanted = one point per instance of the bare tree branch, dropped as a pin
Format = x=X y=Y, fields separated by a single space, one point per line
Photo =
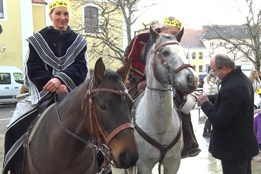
x=116 y=18
x=249 y=47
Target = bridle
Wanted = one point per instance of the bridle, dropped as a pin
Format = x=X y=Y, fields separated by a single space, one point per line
x=91 y=117
x=90 y=114
x=163 y=60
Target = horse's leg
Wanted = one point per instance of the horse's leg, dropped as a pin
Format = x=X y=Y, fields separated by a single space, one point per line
x=143 y=167
x=132 y=170
x=172 y=166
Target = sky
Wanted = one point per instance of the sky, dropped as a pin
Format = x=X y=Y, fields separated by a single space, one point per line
x=196 y=13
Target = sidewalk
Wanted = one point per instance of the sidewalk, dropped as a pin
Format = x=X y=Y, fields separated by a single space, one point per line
x=204 y=163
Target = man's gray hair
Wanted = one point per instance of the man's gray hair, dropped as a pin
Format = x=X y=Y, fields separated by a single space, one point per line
x=223 y=60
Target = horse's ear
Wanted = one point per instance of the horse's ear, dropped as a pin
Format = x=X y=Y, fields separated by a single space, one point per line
x=180 y=34
x=124 y=71
x=99 y=70
x=154 y=34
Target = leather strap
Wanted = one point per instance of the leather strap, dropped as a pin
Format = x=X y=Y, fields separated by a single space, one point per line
x=162 y=148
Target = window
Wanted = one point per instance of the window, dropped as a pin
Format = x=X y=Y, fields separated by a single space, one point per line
x=193 y=55
x=200 y=55
x=213 y=45
x=91 y=19
x=19 y=78
x=200 y=68
x=5 y=78
x=2 y=16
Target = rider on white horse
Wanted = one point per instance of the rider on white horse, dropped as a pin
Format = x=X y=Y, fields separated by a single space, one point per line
x=136 y=52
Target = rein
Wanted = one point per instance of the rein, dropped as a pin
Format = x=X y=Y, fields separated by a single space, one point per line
x=90 y=144
x=71 y=133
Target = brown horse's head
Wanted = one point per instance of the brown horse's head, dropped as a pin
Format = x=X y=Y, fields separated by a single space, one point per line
x=107 y=107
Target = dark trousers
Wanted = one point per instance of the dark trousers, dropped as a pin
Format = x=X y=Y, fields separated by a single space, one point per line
x=236 y=167
x=208 y=125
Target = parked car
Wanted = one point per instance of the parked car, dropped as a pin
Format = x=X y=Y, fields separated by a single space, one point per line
x=11 y=81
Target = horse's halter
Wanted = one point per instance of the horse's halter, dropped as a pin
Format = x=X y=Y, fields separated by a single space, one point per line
x=90 y=115
x=156 y=54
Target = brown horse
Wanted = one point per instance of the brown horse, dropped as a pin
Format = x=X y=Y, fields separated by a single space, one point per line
x=95 y=116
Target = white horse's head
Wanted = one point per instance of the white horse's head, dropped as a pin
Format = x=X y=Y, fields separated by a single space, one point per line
x=167 y=62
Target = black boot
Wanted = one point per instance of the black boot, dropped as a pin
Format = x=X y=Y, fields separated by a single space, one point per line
x=191 y=147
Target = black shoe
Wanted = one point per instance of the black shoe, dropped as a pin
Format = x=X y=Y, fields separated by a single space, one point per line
x=194 y=152
x=191 y=153
x=207 y=133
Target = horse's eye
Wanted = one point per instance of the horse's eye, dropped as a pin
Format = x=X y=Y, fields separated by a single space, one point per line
x=103 y=106
x=165 y=53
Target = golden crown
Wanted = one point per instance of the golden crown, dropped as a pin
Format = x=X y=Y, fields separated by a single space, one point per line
x=58 y=3
x=171 y=21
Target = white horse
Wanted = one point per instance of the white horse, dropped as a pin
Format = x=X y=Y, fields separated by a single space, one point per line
x=157 y=124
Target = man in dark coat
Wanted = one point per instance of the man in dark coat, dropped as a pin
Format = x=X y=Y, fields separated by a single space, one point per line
x=231 y=112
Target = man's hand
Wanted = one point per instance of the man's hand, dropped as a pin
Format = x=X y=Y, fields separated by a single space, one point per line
x=202 y=98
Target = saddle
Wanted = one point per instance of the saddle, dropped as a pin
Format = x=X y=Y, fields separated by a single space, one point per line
x=18 y=132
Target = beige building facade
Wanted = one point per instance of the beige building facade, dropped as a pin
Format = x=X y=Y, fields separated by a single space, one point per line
x=10 y=38
x=18 y=19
